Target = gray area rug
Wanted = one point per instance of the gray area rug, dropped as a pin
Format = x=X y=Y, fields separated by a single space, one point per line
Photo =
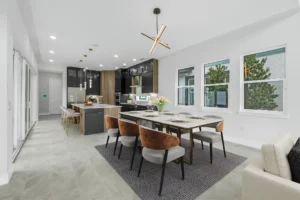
x=199 y=176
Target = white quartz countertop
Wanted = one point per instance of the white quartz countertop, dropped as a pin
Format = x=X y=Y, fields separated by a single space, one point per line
x=95 y=106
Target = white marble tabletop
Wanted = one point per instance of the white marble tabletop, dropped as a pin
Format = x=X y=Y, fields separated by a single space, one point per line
x=95 y=106
x=167 y=119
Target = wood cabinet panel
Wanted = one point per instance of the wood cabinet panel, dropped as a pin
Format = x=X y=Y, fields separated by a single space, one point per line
x=108 y=87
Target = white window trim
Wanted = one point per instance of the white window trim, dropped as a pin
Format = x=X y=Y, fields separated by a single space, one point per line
x=177 y=87
x=263 y=113
x=202 y=103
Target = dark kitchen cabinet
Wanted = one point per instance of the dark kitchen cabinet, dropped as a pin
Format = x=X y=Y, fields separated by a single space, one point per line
x=147 y=82
x=95 y=77
x=118 y=81
x=72 y=80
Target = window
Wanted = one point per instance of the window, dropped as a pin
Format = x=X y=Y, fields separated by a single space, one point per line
x=264 y=75
x=216 y=80
x=185 y=89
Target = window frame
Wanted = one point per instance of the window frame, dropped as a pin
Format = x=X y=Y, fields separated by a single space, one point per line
x=177 y=87
x=266 y=113
x=203 y=85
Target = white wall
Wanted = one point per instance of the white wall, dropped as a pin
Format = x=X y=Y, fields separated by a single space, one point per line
x=247 y=129
x=12 y=34
x=44 y=78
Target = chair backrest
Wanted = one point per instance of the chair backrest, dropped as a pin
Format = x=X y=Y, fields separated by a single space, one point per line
x=111 y=122
x=218 y=126
x=128 y=128
x=157 y=140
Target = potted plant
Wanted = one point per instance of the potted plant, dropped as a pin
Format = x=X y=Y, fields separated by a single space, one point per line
x=129 y=100
x=160 y=103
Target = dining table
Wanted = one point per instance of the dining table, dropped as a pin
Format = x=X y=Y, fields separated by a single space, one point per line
x=174 y=120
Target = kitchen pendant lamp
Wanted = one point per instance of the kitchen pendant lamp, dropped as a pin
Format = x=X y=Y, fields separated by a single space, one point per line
x=80 y=85
x=90 y=78
x=159 y=33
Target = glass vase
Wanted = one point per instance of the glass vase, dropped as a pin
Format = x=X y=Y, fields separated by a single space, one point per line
x=160 y=108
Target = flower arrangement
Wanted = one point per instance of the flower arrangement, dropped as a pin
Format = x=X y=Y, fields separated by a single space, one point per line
x=160 y=102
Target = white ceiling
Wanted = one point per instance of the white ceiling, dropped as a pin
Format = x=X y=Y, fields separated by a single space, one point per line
x=116 y=26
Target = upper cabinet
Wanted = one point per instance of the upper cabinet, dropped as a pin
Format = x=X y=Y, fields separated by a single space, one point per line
x=76 y=76
x=93 y=88
x=147 y=72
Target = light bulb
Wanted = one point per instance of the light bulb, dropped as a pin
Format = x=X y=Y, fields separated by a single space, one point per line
x=90 y=83
x=80 y=87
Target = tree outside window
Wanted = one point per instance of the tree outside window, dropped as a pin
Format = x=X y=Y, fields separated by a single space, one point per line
x=216 y=80
x=264 y=74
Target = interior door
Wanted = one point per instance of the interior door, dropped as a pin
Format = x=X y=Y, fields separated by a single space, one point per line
x=55 y=96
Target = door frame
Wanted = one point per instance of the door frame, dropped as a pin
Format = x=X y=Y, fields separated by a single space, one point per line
x=50 y=91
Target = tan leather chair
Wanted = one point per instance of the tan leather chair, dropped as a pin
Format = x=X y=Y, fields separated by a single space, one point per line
x=160 y=148
x=130 y=136
x=112 y=125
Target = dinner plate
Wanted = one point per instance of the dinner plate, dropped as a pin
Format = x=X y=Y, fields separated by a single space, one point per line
x=149 y=110
x=196 y=117
x=151 y=115
x=178 y=120
x=168 y=113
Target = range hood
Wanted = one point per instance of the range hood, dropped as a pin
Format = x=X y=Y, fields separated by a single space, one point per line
x=136 y=81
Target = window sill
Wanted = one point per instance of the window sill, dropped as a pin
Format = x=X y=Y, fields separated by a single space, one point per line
x=216 y=110
x=268 y=114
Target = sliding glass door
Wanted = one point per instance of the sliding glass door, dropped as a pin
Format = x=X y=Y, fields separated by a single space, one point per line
x=22 y=95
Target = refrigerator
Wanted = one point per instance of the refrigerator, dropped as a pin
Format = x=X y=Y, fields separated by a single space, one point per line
x=75 y=96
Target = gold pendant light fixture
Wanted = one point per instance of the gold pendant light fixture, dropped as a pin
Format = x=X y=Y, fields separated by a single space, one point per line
x=156 y=39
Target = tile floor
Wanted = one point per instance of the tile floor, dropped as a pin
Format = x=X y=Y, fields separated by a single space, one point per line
x=52 y=166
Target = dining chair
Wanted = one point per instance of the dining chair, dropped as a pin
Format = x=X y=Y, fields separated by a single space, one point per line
x=71 y=118
x=160 y=148
x=210 y=136
x=111 y=124
x=130 y=137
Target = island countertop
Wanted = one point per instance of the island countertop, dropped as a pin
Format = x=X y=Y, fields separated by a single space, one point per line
x=95 y=106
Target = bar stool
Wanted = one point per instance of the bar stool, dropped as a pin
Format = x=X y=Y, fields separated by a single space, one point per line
x=70 y=118
x=160 y=148
x=210 y=136
x=130 y=137
x=111 y=124
x=63 y=117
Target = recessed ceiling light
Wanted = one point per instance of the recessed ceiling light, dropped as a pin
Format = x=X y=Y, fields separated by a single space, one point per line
x=52 y=37
x=101 y=65
x=124 y=64
x=51 y=60
x=116 y=56
x=134 y=59
x=51 y=51
x=117 y=67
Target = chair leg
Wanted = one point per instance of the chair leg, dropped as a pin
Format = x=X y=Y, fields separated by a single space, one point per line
x=163 y=172
x=116 y=144
x=202 y=144
x=140 y=168
x=211 y=152
x=120 y=151
x=223 y=144
x=107 y=141
x=134 y=150
x=182 y=167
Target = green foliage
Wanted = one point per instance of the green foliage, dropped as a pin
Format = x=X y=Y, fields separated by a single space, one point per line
x=217 y=75
x=258 y=96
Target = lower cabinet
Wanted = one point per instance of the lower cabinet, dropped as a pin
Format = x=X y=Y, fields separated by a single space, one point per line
x=94 y=121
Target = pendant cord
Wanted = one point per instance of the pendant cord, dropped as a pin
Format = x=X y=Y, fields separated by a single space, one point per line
x=156 y=23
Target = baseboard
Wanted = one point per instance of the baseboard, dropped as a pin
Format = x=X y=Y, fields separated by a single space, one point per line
x=44 y=113
x=247 y=143
x=5 y=178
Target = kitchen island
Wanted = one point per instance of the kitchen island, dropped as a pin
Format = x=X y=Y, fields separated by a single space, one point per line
x=92 y=116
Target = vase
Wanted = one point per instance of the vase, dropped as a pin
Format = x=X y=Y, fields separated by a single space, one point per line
x=160 y=108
